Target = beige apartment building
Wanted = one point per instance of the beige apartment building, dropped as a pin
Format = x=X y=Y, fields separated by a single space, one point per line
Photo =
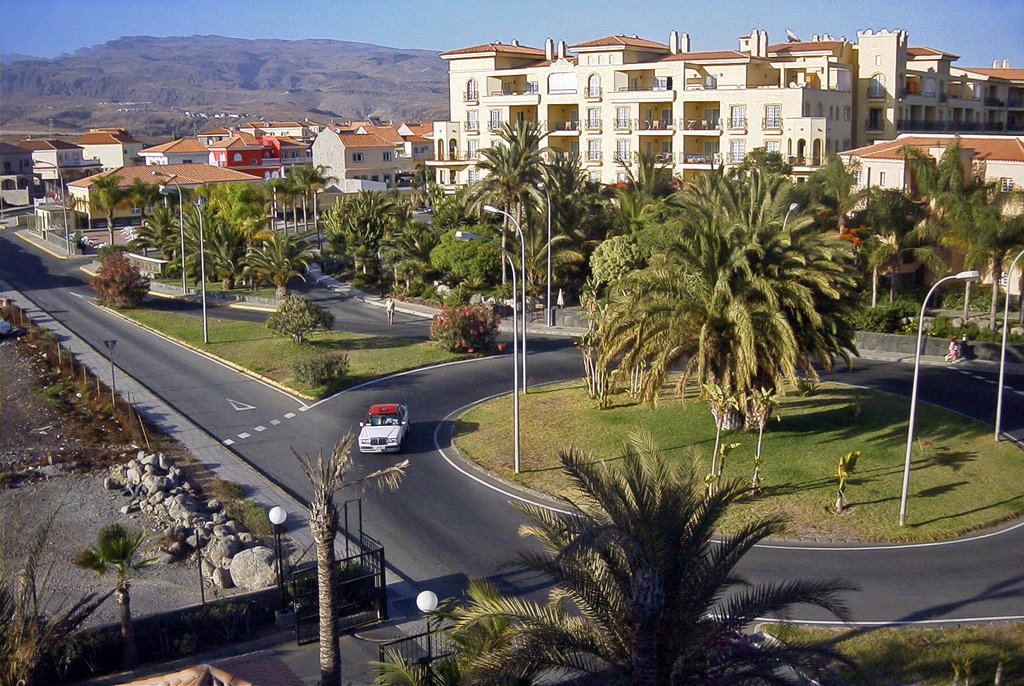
x=609 y=99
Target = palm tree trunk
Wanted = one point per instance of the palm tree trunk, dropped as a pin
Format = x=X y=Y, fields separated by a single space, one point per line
x=330 y=657
x=305 y=216
x=110 y=228
x=643 y=656
x=892 y=285
x=127 y=631
x=874 y=287
x=755 y=482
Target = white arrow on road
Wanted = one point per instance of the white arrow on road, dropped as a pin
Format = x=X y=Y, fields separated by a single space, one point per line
x=239 y=406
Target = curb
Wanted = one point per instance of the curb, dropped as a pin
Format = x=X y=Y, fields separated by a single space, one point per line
x=32 y=241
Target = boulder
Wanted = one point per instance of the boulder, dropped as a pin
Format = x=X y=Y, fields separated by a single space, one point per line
x=132 y=476
x=218 y=518
x=213 y=505
x=110 y=484
x=245 y=537
x=166 y=559
x=221 y=577
x=157 y=497
x=164 y=462
x=155 y=484
x=221 y=548
x=178 y=549
x=147 y=459
x=254 y=569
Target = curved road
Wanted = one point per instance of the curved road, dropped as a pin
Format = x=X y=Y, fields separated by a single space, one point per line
x=442 y=526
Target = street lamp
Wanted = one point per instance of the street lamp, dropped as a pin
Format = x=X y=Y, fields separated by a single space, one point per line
x=426 y=601
x=110 y=343
x=63 y=201
x=470 y=236
x=277 y=516
x=1002 y=353
x=792 y=207
x=181 y=222
x=202 y=267
x=522 y=265
x=971 y=275
x=547 y=300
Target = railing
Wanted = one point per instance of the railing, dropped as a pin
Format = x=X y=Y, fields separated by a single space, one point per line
x=455 y=157
x=592 y=93
x=471 y=97
x=947 y=126
x=772 y=124
x=493 y=125
x=1015 y=103
x=473 y=126
x=643 y=89
x=623 y=157
x=594 y=156
x=699 y=158
x=592 y=125
x=994 y=102
x=874 y=126
x=623 y=124
x=571 y=125
x=419 y=649
x=801 y=161
x=657 y=125
x=699 y=124
x=663 y=158
x=736 y=123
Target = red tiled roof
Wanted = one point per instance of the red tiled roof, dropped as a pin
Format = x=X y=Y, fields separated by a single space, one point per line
x=240 y=141
x=707 y=55
x=805 y=46
x=496 y=47
x=925 y=51
x=10 y=149
x=220 y=131
x=179 y=145
x=997 y=72
x=289 y=142
x=620 y=41
x=351 y=139
x=106 y=137
x=187 y=175
x=46 y=144
x=1001 y=148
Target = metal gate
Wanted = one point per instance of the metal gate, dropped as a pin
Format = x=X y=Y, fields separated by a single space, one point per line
x=360 y=591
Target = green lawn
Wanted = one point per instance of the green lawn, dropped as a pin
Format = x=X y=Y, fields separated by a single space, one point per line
x=961 y=479
x=268 y=292
x=251 y=345
x=923 y=657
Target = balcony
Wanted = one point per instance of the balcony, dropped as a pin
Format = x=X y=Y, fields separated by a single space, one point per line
x=593 y=157
x=593 y=125
x=471 y=98
x=663 y=158
x=530 y=96
x=472 y=126
x=947 y=126
x=801 y=161
x=737 y=124
x=1015 y=103
x=571 y=127
x=994 y=102
x=637 y=94
x=772 y=124
x=447 y=159
x=713 y=159
x=623 y=157
x=592 y=93
x=494 y=125
x=624 y=125
x=656 y=126
x=712 y=126
x=877 y=125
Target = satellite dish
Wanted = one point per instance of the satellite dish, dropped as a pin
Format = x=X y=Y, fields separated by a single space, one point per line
x=793 y=38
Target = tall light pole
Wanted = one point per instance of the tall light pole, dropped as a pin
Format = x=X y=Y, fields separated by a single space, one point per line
x=426 y=601
x=470 y=236
x=181 y=223
x=792 y=207
x=522 y=265
x=547 y=300
x=202 y=267
x=63 y=200
x=971 y=275
x=1002 y=353
x=277 y=517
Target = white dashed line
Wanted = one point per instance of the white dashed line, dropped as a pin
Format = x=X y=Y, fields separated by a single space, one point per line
x=261 y=428
x=289 y=415
x=228 y=441
x=303 y=408
x=243 y=435
x=275 y=422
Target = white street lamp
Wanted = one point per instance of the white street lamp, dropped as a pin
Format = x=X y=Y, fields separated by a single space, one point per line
x=971 y=275
x=522 y=265
x=63 y=201
x=470 y=236
x=547 y=300
x=277 y=516
x=202 y=267
x=1002 y=353
x=792 y=207
x=181 y=223
x=426 y=601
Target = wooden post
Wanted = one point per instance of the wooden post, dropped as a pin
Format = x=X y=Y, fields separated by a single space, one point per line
x=144 y=434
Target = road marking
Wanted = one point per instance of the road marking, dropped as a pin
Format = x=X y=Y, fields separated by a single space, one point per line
x=896 y=622
x=303 y=408
x=243 y=435
x=289 y=415
x=240 y=406
x=228 y=441
x=261 y=428
x=275 y=422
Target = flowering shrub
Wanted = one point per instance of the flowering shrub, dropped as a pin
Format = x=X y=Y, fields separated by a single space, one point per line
x=118 y=283
x=465 y=328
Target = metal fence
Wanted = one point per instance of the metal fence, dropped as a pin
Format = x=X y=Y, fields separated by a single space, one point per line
x=420 y=649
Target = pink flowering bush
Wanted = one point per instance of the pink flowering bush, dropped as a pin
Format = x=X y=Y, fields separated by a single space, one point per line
x=465 y=328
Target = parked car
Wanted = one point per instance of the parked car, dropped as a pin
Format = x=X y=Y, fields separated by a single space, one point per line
x=384 y=428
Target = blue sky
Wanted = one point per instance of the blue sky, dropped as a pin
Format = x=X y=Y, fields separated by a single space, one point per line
x=978 y=30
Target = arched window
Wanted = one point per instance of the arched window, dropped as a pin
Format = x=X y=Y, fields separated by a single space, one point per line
x=819 y=111
x=876 y=89
x=593 y=86
x=471 y=92
x=237 y=157
x=453 y=149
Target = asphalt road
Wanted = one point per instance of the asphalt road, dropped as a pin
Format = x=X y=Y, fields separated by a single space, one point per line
x=442 y=526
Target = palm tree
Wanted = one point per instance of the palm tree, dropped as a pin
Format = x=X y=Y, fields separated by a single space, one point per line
x=285 y=191
x=310 y=180
x=105 y=194
x=243 y=205
x=225 y=252
x=643 y=595
x=143 y=195
x=761 y=402
x=363 y=224
x=159 y=232
x=835 y=184
x=277 y=260
x=327 y=477
x=116 y=551
x=893 y=234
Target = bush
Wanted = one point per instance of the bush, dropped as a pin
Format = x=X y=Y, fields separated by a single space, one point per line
x=118 y=283
x=322 y=368
x=476 y=261
x=466 y=328
x=250 y=515
x=297 y=316
x=365 y=282
x=457 y=296
x=616 y=257
x=886 y=317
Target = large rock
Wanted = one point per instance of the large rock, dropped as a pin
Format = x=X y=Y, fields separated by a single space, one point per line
x=254 y=569
x=163 y=462
x=155 y=484
x=221 y=577
x=221 y=548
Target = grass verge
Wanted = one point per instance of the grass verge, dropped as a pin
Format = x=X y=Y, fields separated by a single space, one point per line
x=922 y=657
x=960 y=479
x=251 y=346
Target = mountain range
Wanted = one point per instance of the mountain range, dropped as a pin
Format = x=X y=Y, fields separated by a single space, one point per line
x=169 y=86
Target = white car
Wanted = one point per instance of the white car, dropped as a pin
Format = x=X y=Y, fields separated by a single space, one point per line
x=384 y=428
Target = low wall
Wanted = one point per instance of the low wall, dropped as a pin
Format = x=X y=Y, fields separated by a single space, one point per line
x=933 y=346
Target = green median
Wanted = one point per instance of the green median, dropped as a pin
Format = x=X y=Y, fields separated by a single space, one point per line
x=961 y=480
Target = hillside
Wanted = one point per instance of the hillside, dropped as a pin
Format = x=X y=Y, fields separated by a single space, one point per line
x=155 y=86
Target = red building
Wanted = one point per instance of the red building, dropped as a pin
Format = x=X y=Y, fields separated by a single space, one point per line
x=245 y=153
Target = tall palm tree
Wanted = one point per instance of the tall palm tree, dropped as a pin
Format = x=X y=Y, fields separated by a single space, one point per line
x=105 y=194
x=643 y=593
x=364 y=223
x=892 y=233
x=277 y=260
x=835 y=185
x=244 y=205
x=159 y=232
x=143 y=195
x=311 y=180
x=286 y=191
x=116 y=552
x=225 y=252
x=327 y=477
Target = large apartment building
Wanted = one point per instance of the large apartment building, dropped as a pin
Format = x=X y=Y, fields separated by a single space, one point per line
x=609 y=99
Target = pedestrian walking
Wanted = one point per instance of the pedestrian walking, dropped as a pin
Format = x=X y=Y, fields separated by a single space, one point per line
x=389 y=308
x=953 y=354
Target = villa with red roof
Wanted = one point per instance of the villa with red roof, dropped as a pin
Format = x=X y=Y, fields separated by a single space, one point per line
x=113 y=147
x=178 y=151
x=380 y=153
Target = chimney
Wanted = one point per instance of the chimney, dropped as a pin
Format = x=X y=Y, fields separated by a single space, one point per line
x=1006 y=63
x=561 y=49
x=549 y=49
x=764 y=44
x=684 y=43
x=673 y=42
x=995 y=64
x=515 y=42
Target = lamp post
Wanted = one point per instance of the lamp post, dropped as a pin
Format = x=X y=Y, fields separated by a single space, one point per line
x=785 y=219
x=110 y=343
x=426 y=601
x=971 y=275
x=181 y=222
x=522 y=265
x=470 y=236
x=63 y=200
x=277 y=516
x=547 y=300
x=199 y=564
x=1002 y=353
x=202 y=268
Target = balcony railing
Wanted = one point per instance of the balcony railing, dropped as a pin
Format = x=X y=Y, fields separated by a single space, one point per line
x=737 y=123
x=592 y=93
x=801 y=161
x=571 y=125
x=994 y=102
x=593 y=156
x=456 y=157
x=471 y=97
x=771 y=124
x=874 y=125
x=623 y=157
x=473 y=125
x=663 y=157
x=699 y=158
x=623 y=124
x=494 y=125
x=592 y=125
x=657 y=125
x=1015 y=103
x=699 y=124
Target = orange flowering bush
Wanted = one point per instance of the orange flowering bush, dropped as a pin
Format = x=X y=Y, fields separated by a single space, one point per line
x=465 y=328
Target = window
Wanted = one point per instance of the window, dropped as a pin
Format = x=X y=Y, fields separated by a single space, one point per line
x=593 y=86
x=357 y=157
x=622 y=117
x=495 y=119
x=710 y=82
x=622 y=150
x=875 y=119
x=846 y=113
x=474 y=176
x=773 y=146
x=595 y=177
x=662 y=83
x=387 y=157
x=773 y=117
x=237 y=157
x=878 y=60
x=876 y=89
x=594 y=150
x=929 y=85
x=621 y=177
x=472 y=120
x=471 y=149
x=737 y=151
x=594 y=118
x=1006 y=184
x=738 y=117
x=881 y=178
x=857 y=176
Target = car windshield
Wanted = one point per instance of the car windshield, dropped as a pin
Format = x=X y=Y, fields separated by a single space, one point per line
x=384 y=420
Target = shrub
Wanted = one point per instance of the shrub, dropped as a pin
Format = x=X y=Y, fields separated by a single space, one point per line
x=250 y=515
x=615 y=258
x=457 y=296
x=475 y=261
x=322 y=368
x=466 y=328
x=886 y=317
x=297 y=316
x=118 y=283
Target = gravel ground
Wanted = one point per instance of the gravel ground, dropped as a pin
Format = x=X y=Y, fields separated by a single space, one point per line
x=30 y=435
